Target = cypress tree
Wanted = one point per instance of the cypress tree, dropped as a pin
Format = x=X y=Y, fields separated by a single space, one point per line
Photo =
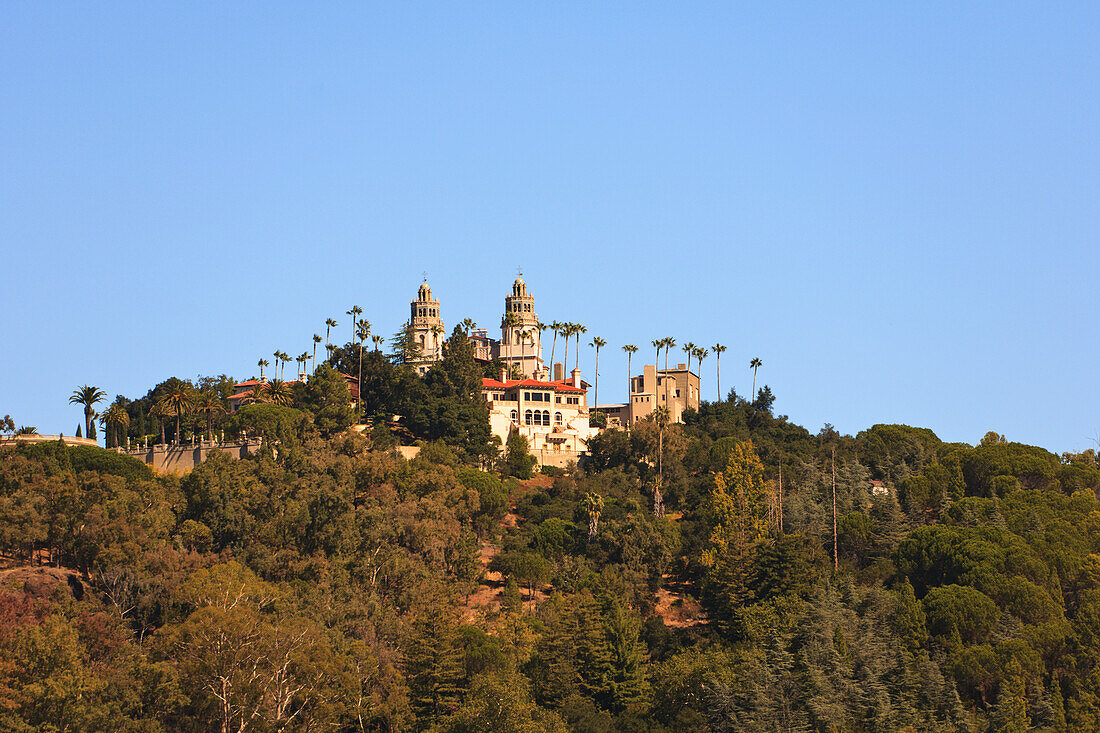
x=78 y=433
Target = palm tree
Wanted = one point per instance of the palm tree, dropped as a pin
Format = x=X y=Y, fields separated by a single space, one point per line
x=279 y=393
x=556 y=328
x=329 y=325
x=718 y=349
x=261 y=364
x=436 y=331
x=700 y=354
x=593 y=506
x=87 y=396
x=630 y=350
x=302 y=359
x=511 y=320
x=209 y=405
x=468 y=325
x=278 y=357
x=597 y=343
x=112 y=418
x=657 y=344
x=362 y=333
x=567 y=331
x=285 y=359
x=669 y=343
x=689 y=349
x=316 y=340
x=178 y=402
x=754 y=365
x=157 y=411
x=354 y=313
x=579 y=332
x=378 y=340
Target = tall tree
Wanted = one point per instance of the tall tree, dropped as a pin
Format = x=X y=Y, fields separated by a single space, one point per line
x=316 y=340
x=261 y=364
x=700 y=355
x=718 y=349
x=593 y=507
x=669 y=343
x=362 y=333
x=630 y=350
x=511 y=320
x=580 y=330
x=114 y=417
x=754 y=365
x=378 y=341
x=658 y=344
x=689 y=349
x=88 y=397
x=468 y=325
x=208 y=405
x=597 y=343
x=301 y=361
x=177 y=403
x=567 y=331
x=354 y=313
x=329 y=325
x=555 y=326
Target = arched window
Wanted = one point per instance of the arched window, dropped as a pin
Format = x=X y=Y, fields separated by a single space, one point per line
x=557 y=418
x=546 y=417
x=515 y=416
x=527 y=417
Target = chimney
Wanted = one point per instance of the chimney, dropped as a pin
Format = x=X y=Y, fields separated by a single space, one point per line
x=558 y=372
x=576 y=377
x=504 y=375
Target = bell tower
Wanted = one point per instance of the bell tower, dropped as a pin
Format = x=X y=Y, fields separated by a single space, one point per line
x=427 y=327
x=521 y=340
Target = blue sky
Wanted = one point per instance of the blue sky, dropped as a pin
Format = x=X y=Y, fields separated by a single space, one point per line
x=893 y=206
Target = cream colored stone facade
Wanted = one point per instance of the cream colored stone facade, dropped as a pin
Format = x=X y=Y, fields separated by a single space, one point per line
x=427 y=324
x=552 y=416
x=675 y=389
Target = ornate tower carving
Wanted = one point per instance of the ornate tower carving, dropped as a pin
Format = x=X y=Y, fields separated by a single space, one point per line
x=427 y=326
x=521 y=341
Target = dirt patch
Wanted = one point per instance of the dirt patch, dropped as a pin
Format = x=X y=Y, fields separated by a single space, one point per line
x=677 y=607
x=40 y=581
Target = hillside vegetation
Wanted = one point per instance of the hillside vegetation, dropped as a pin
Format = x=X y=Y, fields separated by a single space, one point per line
x=764 y=578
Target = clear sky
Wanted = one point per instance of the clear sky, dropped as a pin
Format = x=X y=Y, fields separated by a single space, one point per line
x=893 y=205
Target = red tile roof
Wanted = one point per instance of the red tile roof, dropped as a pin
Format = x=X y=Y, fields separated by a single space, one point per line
x=556 y=386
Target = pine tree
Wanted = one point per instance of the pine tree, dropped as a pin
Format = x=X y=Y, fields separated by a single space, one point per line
x=78 y=433
x=434 y=665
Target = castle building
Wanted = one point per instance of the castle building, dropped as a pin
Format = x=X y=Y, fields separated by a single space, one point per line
x=552 y=416
x=427 y=328
x=520 y=345
x=677 y=390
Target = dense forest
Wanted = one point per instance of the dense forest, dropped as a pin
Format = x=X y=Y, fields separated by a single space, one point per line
x=733 y=573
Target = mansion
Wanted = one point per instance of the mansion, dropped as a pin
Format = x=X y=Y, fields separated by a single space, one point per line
x=552 y=413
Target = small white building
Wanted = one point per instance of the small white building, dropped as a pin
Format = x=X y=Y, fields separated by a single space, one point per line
x=552 y=416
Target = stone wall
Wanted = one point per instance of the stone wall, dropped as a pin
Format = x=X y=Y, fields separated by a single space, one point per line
x=180 y=459
x=36 y=438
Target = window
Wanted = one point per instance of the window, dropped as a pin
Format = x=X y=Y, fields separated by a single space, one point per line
x=677 y=393
x=515 y=416
x=557 y=418
x=546 y=417
x=526 y=395
x=557 y=398
x=527 y=417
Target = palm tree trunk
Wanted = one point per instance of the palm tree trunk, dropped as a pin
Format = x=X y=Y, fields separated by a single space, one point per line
x=359 y=384
x=597 y=378
x=88 y=420
x=554 y=346
x=718 y=374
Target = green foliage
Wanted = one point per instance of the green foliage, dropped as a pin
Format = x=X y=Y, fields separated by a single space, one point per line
x=328 y=399
x=518 y=460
